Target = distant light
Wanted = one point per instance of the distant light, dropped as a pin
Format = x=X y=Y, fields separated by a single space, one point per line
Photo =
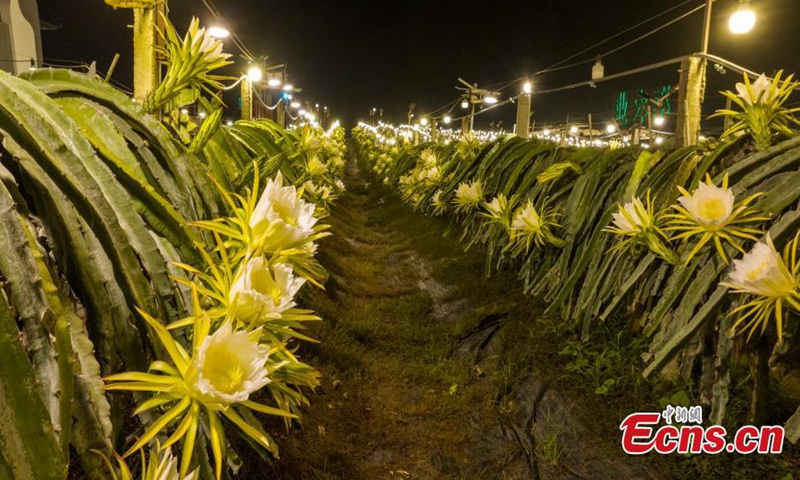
x=659 y=140
x=288 y=87
x=743 y=20
x=611 y=128
x=573 y=129
x=219 y=32
x=255 y=74
x=274 y=82
x=295 y=104
x=489 y=99
x=646 y=146
x=423 y=121
x=465 y=104
x=229 y=123
x=302 y=112
x=659 y=121
x=546 y=132
x=447 y=119
x=527 y=88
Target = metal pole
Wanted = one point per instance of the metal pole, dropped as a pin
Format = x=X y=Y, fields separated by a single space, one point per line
x=707 y=26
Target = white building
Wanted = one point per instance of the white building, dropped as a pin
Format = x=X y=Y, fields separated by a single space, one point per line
x=20 y=39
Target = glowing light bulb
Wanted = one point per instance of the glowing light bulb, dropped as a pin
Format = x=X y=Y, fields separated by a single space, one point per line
x=659 y=140
x=743 y=20
x=255 y=74
x=274 y=82
x=527 y=88
x=465 y=104
x=219 y=32
x=659 y=121
x=447 y=119
x=423 y=121
x=491 y=100
x=546 y=132
x=573 y=129
x=611 y=128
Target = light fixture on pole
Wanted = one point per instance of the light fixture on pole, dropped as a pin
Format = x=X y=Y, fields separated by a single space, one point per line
x=219 y=32
x=743 y=20
x=254 y=74
x=527 y=88
x=490 y=99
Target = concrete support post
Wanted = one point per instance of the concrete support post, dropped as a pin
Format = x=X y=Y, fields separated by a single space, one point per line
x=522 y=127
x=247 y=99
x=690 y=101
x=145 y=59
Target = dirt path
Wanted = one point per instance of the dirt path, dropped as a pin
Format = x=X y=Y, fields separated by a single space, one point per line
x=429 y=368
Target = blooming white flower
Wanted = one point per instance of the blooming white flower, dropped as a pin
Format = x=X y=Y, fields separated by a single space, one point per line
x=709 y=205
x=281 y=219
x=760 y=87
x=210 y=47
x=762 y=272
x=527 y=219
x=167 y=469
x=632 y=217
x=263 y=291
x=499 y=209
x=469 y=193
x=227 y=367
x=340 y=186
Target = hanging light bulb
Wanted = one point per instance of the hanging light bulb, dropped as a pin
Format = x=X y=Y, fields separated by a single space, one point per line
x=218 y=32
x=573 y=129
x=611 y=128
x=464 y=104
x=659 y=121
x=743 y=20
x=255 y=74
x=423 y=121
x=598 y=70
x=527 y=88
x=447 y=119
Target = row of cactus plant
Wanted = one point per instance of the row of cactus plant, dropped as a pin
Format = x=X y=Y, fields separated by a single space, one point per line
x=116 y=227
x=599 y=233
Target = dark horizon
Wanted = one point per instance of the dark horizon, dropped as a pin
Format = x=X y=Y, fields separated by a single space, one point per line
x=356 y=55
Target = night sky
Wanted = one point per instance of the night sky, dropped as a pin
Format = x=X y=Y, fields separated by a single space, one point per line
x=355 y=54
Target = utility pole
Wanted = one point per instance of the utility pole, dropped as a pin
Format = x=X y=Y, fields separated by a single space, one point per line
x=473 y=95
